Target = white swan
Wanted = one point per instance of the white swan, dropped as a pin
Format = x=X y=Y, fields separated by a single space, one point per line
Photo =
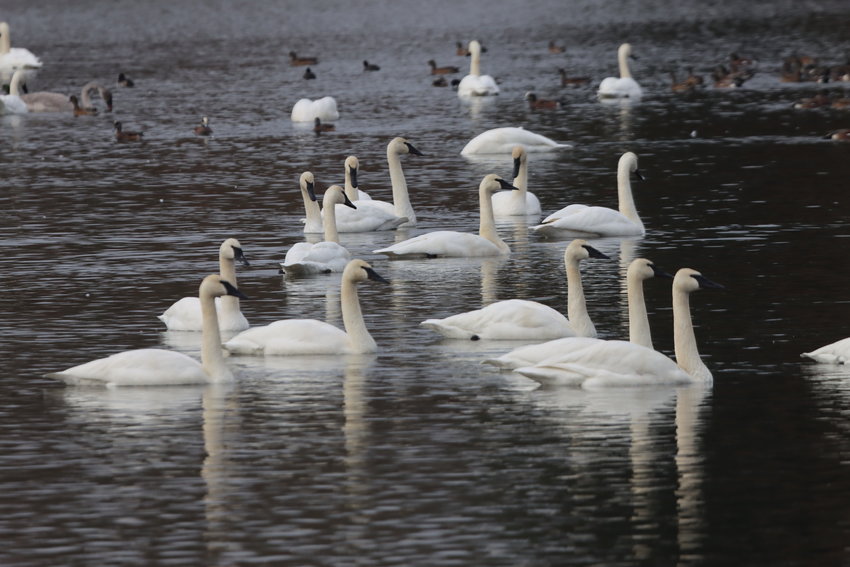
x=518 y=319
x=306 y=110
x=323 y=257
x=46 y=101
x=835 y=353
x=476 y=84
x=313 y=220
x=310 y=336
x=503 y=141
x=400 y=207
x=14 y=58
x=623 y=86
x=639 y=270
x=368 y=216
x=452 y=244
x=593 y=363
x=601 y=221
x=517 y=203
x=186 y=313
x=12 y=103
x=157 y=367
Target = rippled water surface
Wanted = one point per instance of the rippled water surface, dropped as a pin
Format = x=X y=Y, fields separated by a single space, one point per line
x=419 y=455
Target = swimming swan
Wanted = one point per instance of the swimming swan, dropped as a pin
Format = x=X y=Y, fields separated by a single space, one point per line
x=452 y=244
x=313 y=220
x=323 y=257
x=476 y=84
x=310 y=336
x=46 y=101
x=623 y=86
x=14 y=58
x=601 y=221
x=367 y=217
x=185 y=314
x=400 y=207
x=517 y=203
x=594 y=363
x=835 y=353
x=503 y=141
x=306 y=110
x=157 y=367
x=639 y=270
x=518 y=319
x=12 y=103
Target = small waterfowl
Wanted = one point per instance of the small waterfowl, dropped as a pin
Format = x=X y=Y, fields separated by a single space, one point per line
x=541 y=103
x=440 y=82
x=370 y=66
x=79 y=110
x=203 y=129
x=725 y=78
x=123 y=136
x=309 y=74
x=447 y=70
x=555 y=48
x=461 y=50
x=318 y=127
x=567 y=81
x=842 y=135
x=688 y=84
x=296 y=61
x=125 y=81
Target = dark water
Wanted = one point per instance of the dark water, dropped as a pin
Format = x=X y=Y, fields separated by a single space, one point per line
x=419 y=455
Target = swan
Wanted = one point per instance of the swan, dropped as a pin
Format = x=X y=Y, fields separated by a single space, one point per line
x=639 y=270
x=368 y=216
x=623 y=86
x=185 y=314
x=323 y=257
x=517 y=203
x=12 y=103
x=593 y=363
x=518 y=319
x=313 y=221
x=601 y=221
x=835 y=353
x=14 y=58
x=476 y=84
x=503 y=141
x=452 y=244
x=310 y=336
x=306 y=110
x=46 y=101
x=157 y=367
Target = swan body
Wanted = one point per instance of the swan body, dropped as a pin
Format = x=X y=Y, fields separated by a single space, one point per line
x=835 y=353
x=452 y=244
x=600 y=363
x=476 y=84
x=12 y=103
x=323 y=257
x=311 y=337
x=46 y=101
x=504 y=140
x=601 y=221
x=186 y=315
x=517 y=203
x=367 y=217
x=306 y=110
x=519 y=319
x=15 y=58
x=157 y=367
x=400 y=207
x=623 y=86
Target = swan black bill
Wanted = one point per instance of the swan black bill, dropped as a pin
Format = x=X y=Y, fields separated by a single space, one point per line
x=505 y=185
x=348 y=202
x=311 y=191
x=705 y=283
x=594 y=253
x=231 y=290
x=240 y=255
x=516 y=167
x=373 y=275
x=659 y=273
x=639 y=175
x=412 y=149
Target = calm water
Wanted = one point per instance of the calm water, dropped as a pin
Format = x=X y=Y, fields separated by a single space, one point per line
x=419 y=455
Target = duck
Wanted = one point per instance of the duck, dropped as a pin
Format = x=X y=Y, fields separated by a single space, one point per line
x=79 y=110
x=724 y=78
x=440 y=82
x=840 y=135
x=46 y=101
x=306 y=110
x=367 y=217
x=453 y=244
x=125 y=81
x=123 y=136
x=688 y=84
x=370 y=66
x=601 y=221
x=555 y=48
x=476 y=84
x=461 y=50
x=503 y=140
x=15 y=58
x=203 y=129
x=624 y=86
x=313 y=220
x=309 y=74
x=639 y=270
x=293 y=337
x=567 y=81
x=185 y=314
x=447 y=70
x=597 y=363
x=520 y=319
x=517 y=203
x=541 y=103
x=12 y=103
x=834 y=353
x=323 y=257
x=318 y=127
x=296 y=61
x=158 y=367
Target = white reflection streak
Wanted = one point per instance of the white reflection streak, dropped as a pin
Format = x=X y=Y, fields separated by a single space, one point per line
x=217 y=404
x=689 y=463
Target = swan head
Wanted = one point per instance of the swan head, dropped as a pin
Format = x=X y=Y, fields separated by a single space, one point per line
x=579 y=250
x=474 y=48
x=401 y=146
x=492 y=183
x=352 y=164
x=629 y=162
x=625 y=50
x=335 y=195
x=232 y=250
x=519 y=155
x=360 y=270
x=688 y=280
x=308 y=185
x=216 y=286
x=642 y=269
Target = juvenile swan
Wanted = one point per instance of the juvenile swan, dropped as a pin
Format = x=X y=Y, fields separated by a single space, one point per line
x=623 y=86
x=601 y=221
x=309 y=336
x=156 y=367
x=517 y=203
x=452 y=244
x=593 y=363
x=835 y=353
x=185 y=314
x=521 y=319
x=476 y=84
x=367 y=217
x=46 y=101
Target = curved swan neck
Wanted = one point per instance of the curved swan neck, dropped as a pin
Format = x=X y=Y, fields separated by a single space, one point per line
x=329 y=220
x=212 y=359
x=487 y=222
x=639 y=332
x=576 y=305
x=623 y=60
x=359 y=338
x=401 y=198
x=15 y=84
x=684 y=341
x=624 y=193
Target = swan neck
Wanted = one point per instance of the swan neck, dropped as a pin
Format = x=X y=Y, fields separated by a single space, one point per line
x=576 y=305
x=623 y=60
x=487 y=222
x=329 y=223
x=401 y=198
x=85 y=98
x=475 y=62
x=212 y=358
x=639 y=332
x=684 y=341
x=359 y=339
x=15 y=84
x=624 y=195
x=5 y=41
